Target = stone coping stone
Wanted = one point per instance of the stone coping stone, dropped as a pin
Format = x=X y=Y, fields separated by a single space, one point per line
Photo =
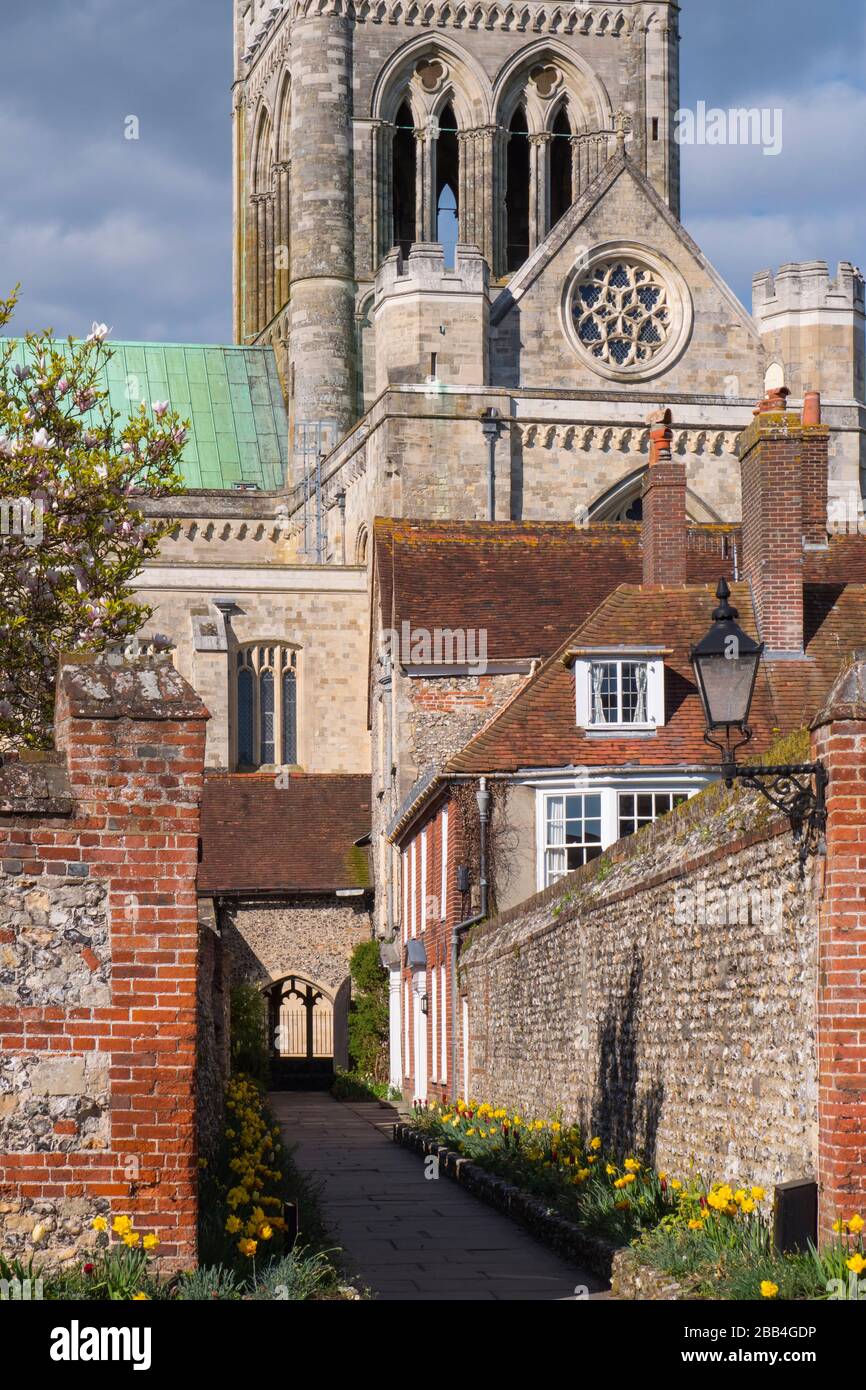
x=564 y=1237
x=36 y=787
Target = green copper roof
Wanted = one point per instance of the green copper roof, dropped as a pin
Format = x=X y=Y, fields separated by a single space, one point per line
x=231 y=396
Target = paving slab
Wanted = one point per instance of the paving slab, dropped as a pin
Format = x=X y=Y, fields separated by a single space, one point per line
x=406 y=1237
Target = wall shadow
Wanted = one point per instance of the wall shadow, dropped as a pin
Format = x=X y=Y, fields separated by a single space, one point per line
x=627 y=1123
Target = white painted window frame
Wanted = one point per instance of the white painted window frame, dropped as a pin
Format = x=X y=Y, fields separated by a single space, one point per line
x=413 y=888
x=655 y=692
x=609 y=789
x=443 y=889
x=434 y=1024
x=443 y=1000
x=423 y=880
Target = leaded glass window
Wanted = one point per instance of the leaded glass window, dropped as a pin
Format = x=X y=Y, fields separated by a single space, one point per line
x=622 y=313
x=267 y=706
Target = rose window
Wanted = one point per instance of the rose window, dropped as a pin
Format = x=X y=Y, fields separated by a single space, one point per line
x=622 y=313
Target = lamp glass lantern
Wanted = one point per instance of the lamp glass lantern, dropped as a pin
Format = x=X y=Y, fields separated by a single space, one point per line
x=726 y=665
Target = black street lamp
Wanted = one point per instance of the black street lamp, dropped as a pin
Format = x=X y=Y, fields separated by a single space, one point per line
x=726 y=665
x=491 y=424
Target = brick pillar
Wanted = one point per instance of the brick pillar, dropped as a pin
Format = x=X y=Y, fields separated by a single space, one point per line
x=770 y=460
x=134 y=739
x=839 y=740
x=815 y=467
x=663 y=534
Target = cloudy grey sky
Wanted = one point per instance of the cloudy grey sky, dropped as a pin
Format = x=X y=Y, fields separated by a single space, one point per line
x=138 y=233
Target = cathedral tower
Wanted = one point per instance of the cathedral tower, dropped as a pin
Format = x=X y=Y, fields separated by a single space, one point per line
x=361 y=127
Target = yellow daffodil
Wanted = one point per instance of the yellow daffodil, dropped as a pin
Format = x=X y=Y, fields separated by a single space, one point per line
x=150 y=1242
x=856 y=1264
x=840 y=1227
x=610 y=1170
x=595 y=1144
x=695 y=1224
x=99 y=1223
x=768 y=1288
x=856 y=1224
x=141 y=1298
x=631 y=1165
x=676 y=1185
x=758 y=1194
x=266 y=1232
x=120 y=1225
x=131 y=1239
x=247 y=1247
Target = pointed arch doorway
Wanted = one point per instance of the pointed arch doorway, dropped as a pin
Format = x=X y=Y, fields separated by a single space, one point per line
x=307 y=1031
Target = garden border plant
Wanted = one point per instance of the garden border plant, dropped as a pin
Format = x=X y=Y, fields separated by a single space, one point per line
x=689 y=1239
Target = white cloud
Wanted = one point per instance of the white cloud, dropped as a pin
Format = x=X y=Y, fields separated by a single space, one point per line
x=748 y=211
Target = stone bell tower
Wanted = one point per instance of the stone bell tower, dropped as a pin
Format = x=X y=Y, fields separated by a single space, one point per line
x=361 y=126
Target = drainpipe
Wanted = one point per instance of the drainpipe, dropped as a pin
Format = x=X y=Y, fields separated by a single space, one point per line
x=490 y=421
x=341 y=503
x=482 y=796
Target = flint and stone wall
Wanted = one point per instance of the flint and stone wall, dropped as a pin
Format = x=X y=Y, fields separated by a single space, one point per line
x=310 y=936
x=665 y=1000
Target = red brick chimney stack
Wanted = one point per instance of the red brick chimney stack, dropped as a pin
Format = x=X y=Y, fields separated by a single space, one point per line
x=772 y=487
x=815 y=471
x=663 y=534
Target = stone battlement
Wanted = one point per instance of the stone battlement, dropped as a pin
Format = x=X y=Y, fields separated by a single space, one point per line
x=806 y=285
x=424 y=270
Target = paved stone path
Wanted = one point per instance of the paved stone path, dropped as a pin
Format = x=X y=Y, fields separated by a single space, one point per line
x=405 y=1236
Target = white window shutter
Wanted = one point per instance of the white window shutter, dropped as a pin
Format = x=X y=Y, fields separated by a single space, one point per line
x=581 y=694
x=656 y=693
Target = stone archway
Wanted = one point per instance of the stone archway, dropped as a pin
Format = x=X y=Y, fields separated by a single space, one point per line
x=300 y=1019
x=308 y=1029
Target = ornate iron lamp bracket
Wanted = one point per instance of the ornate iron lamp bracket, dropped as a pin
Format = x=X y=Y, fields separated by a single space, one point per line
x=798 y=790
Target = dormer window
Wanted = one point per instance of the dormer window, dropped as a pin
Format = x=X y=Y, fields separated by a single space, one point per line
x=619 y=690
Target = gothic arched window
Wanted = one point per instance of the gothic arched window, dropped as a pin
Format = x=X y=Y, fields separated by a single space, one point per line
x=517 y=192
x=405 y=176
x=267 y=706
x=447 y=184
x=561 y=195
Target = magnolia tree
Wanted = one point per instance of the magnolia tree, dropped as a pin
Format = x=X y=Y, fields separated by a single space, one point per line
x=74 y=475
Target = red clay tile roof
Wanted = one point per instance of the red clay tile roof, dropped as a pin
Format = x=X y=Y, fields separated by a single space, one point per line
x=258 y=838
x=527 y=584
x=538 y=729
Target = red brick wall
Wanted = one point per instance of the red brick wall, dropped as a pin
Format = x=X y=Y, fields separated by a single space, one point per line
x=437 y=942
x=134 y=744
x=840 y=742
